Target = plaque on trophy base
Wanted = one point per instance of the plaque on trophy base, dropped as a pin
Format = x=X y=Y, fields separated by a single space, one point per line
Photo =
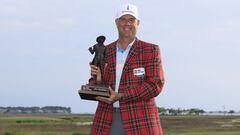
x=90 y=92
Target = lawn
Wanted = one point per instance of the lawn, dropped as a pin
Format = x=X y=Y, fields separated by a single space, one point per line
x=201 y=125
x=81 y=124
x=44 y=124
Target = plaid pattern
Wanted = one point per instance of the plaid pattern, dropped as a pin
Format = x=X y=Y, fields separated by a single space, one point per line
x=138 y=108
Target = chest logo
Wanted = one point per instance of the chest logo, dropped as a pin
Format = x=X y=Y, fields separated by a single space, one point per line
x=139 y=71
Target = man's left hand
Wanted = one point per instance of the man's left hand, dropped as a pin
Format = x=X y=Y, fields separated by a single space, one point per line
x=114 y=96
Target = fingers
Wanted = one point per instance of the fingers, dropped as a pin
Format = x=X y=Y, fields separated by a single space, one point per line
x=103 y=99
x=111 y=90
x=94 y=70
x=105 y=66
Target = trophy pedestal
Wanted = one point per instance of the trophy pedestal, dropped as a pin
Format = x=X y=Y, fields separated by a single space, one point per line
x=90 y=92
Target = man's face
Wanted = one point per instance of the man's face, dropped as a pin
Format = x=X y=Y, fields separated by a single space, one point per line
x=127 y=26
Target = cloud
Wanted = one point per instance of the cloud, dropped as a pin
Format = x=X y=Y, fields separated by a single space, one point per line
x=65 y=21
x=4 y=9
x=61 y=22
x=28 y=14
x=19 y=24
x=45 y=43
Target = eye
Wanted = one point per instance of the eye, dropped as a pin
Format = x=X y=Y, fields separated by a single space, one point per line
x=130 y=20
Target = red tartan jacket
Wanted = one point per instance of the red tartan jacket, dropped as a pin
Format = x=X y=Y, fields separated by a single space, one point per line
x=138 y=109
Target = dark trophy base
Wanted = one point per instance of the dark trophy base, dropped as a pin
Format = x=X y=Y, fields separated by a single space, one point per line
x=90 y=92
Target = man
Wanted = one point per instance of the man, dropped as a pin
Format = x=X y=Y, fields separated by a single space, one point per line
x=134 y=74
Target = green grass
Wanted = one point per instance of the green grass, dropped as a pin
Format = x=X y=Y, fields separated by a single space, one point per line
x=69 y=125
x=44 y=124
x=207 y=133
x=43 y=133
x=201 y=125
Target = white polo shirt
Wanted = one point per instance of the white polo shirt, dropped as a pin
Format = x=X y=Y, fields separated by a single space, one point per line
x=121 y=56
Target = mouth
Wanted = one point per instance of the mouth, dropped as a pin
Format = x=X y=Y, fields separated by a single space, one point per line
x=127 y=29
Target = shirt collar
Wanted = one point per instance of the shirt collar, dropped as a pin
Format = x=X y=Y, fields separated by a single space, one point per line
x=128 y=48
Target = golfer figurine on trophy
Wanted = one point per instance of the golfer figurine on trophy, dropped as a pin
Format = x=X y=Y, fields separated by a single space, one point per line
x=91 y=91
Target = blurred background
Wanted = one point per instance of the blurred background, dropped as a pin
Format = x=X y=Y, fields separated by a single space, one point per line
x=44 y=57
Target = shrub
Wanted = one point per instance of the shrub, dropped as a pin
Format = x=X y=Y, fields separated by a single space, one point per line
x=8 y=133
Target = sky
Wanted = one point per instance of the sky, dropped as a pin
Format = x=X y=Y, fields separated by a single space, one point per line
x=44 y=56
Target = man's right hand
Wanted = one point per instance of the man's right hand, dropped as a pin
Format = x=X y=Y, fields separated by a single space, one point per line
x=95 y=71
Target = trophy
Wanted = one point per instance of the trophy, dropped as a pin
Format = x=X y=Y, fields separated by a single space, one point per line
x=92 y=90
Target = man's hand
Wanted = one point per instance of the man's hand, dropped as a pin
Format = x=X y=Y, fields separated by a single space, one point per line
x=114 y=96
x=95 y=71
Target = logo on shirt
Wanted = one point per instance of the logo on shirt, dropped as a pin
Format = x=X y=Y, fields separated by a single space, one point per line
x=139 y=71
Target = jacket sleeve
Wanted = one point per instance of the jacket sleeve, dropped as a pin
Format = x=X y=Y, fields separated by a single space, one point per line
x=153 y=81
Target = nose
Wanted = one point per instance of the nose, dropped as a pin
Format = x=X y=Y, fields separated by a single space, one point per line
x=128 y=23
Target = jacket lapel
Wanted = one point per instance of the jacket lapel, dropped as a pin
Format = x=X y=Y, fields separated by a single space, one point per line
x=113 y=63
x=133 y=51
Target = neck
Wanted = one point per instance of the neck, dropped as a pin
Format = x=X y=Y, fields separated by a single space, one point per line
x=124 y=42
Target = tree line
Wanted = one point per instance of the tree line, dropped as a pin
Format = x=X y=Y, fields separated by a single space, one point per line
x=193 y=111
x=178 y=111
x=35 y=110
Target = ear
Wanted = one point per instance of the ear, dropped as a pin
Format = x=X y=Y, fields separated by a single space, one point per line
x=116 y=20
x=138 y=22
